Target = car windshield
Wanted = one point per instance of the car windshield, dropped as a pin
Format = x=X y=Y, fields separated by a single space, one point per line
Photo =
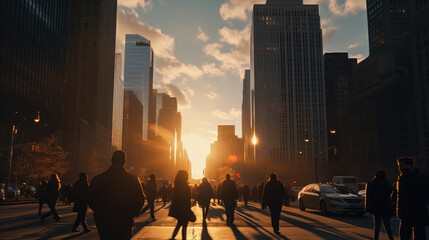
x=343 y=189
x=335 y=189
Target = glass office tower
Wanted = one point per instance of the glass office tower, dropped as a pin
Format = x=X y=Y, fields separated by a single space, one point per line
x=138 y=72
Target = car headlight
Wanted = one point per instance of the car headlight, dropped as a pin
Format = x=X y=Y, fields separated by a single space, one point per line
x=335 y=199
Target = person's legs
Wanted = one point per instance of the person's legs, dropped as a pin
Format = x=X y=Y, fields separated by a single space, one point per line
x=152 y=209
x=50 y=211
x=275 y=216
x=419 y=233
x=176 y=229
x=405 y=230
x=205 y=211
x=184 y=230
x=386 y=223
x=227 y=211
x=40 y=208
x=77 y=221
x=377 y=223
x=83 y=221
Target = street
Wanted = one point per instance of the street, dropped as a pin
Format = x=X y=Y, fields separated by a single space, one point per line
x=21 y=222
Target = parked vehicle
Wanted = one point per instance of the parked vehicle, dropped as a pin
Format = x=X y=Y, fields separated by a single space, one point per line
x=12 y=192
x=331 y=198
x=349 y=181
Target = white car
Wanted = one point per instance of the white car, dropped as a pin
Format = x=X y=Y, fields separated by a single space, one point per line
x=331 y=198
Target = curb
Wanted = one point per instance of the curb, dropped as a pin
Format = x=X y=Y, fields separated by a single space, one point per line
x=17 y=203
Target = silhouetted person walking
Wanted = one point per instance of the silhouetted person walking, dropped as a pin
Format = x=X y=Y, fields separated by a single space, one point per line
x=81 y=200
x=379 y=204
x=181 y=203
x=246 y=192
x=273 y=196
x=41 y=194
x=52 y=194
x=205 y=194
x=412 y=191
x=151 y=194
x=229 y=195
x=116 y=197
x=260 y=191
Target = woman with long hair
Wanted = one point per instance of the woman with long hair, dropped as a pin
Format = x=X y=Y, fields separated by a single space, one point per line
x=379 y=204
x=52 y=194
x=81 y=200
x=181 y=203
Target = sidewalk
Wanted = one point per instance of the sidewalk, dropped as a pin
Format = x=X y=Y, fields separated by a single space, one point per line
x=20 y=200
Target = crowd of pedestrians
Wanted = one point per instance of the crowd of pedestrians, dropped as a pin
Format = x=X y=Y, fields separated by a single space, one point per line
x=115 y=207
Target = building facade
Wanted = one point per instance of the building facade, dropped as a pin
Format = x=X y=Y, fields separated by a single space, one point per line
x=138 y=74
x=132 y=126
x=118 y=104
x=226 y=154
x=90 y=65
x=287 y=76
x=32 y=77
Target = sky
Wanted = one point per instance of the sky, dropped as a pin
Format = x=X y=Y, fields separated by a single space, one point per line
x=202 y=48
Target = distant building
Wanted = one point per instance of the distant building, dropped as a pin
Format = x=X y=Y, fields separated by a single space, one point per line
x=246 y=130
x=138 y=74
x=132 y=127
x=225 y=153
x=118 y=104
x=287 y=76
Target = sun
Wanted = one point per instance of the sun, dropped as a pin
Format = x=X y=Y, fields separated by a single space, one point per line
x=198 y=148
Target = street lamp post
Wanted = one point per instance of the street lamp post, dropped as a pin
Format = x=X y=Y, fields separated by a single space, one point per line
x=13 y=133
x=307 y=139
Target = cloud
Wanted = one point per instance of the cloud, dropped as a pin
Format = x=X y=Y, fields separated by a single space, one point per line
x=145 y=5
x=211 y=95
x=202 y=36
x=168 y=67
x=355 y=45
x=347 y=8
x=233 y=49
x=328 y=29
x=211 y=70
x=360 y=57
x=233 y=114
x=237 y=9
x=174 y=91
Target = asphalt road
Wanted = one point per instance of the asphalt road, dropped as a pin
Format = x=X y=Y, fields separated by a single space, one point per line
x=22 y=222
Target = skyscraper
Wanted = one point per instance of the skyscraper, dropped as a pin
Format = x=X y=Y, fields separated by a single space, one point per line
x=338 y=77
x=388 y=20
x=90 y=65
x=32 y=50
x=118 y=104
x=138 y=74
x=288 y=79
x=245 y=119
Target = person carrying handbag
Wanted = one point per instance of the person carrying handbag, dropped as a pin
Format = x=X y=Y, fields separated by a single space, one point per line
x=181 y=203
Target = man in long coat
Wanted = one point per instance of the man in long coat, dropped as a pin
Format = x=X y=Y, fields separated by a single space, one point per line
x=116 y=197
x=273 y=196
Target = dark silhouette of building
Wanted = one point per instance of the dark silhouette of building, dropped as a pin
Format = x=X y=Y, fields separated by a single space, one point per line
x=32 y=50
x=338 y=77
x=289 y=92
x=387 y=22
x=132 y=134
x=246 y=130
x=419 y=44
x=226 y=152
x=90 y=64
x=380 y=125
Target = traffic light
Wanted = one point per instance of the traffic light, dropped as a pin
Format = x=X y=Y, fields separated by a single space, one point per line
x=335 y=150
x=294 y=182
x=238 y=175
